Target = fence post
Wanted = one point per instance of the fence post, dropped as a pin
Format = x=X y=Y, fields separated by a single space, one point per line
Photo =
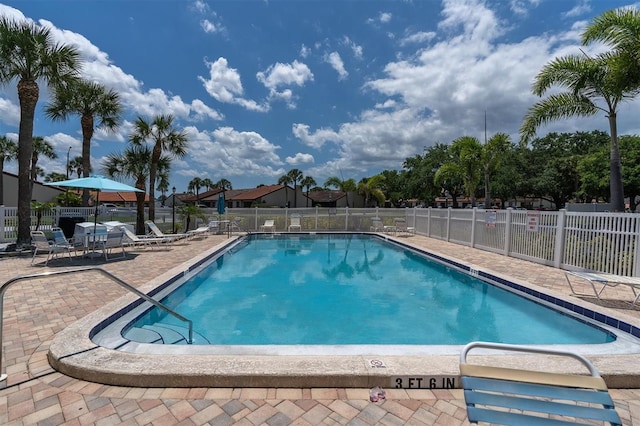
x=448 y=223
x=346 y=218
x=255 y=220
x=429 y=221
x=472 y=240
x=3 y=212
x=560 y=233
x=507 y=231
x=636 y=248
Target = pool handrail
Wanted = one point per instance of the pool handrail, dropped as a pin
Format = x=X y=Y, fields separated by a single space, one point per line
x=7 y=284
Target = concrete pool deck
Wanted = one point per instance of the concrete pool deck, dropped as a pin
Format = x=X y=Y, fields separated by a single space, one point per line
x=35 y=311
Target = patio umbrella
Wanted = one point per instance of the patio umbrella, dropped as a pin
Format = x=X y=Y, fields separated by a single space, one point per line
x=221 y=204
x=97 y=183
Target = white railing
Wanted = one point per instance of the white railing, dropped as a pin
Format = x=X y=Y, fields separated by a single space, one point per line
x=603 y=242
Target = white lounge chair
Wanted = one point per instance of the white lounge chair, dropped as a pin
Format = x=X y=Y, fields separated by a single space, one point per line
x=113 y=242
x=295 y=223
x=158 y=233
x=376 y=224
x=141 y=240
x=599 y=282
x=401 y=226
x=269 y=225
x=43 y=245
x=201 y=231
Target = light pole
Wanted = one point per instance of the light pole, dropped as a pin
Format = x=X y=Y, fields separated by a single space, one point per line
x=173 y=209
x=67 y=191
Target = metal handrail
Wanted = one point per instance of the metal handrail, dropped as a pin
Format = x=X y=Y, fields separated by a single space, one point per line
x=123 y=284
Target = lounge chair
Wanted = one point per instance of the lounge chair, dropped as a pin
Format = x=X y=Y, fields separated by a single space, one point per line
x=62 y=241
x=500 y=395
x=236 y=225
x=201 y=231
x=141 y=240
x=111 y=243
x=376 y=224
x=402 y=228
x=43 y=245
x=603 y=281
x=295 y=223
x=158 y=233
x=269 y=225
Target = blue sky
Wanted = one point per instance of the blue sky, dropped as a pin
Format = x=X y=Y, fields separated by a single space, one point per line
x=334 y=88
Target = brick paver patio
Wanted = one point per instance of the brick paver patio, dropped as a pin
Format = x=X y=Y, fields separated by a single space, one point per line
x=35 y=310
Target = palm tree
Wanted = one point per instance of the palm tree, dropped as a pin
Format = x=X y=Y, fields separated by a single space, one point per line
x=586 y=80
x=345 y=186
x=223 y=184
x=40 y=147
x=466 y=164
x=163 y=185
x=90 y=101
x=8 y=152
x=208 y=183
x=286 y=181
x=296 y=176
x=370 y=188
x=55 y=177
x=29 y=54
x=491 y=156
x=194 y=185
x=135 y=163
x=165 y=139
x=75 y=166
x=308 y=182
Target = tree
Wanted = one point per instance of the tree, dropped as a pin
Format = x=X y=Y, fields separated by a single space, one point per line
x=8 y=152
x=465 y=164
x=207 y=183
x=75 y=166
x=55 y=177
x=286 y=181
x=135 y=163
x=586 y=81
x=492 y=155
x=29 y=54
x=420 y=173
x=166 y=140
x=345 y=186
x=296 y=176
x=308 y=182
x=370 y=188
x=223 y=184
x=40 y=147
x=194 y=185
x=90 y=101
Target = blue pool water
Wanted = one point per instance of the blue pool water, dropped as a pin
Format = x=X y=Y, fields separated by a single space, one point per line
x=332 y=289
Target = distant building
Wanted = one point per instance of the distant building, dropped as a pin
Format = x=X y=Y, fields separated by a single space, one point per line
x=41 y=192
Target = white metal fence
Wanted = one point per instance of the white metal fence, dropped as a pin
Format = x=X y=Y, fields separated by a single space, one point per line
x=603 y=242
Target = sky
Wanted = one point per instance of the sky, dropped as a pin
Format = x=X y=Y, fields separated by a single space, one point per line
x=344 y=88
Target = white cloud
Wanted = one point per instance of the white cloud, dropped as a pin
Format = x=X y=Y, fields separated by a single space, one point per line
x=304 y=51
x=315 y=140
x=581 y=8
x=336 y=63
x=279 y=74
x=224 y=85
x=355 y=48
x=208 y=26
x=420 y=37
x=521 y=7
x=299 y=159
x=385 y=17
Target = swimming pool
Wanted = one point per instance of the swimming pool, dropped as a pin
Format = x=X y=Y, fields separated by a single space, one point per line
x=345 y=289
x=93 y=348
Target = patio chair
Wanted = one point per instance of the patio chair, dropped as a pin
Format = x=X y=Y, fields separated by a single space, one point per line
x=603 y=281
x=113 y=242
x=376 y=224
x=158 y=233
x=402 y=228
x=295 y=223
x=269 y=225
x=141 y=240
x=500 y=395
x=42 y=244
x=236 y=225
x=201 y=231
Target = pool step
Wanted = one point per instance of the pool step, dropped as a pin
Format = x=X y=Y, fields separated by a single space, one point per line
x=167 y=334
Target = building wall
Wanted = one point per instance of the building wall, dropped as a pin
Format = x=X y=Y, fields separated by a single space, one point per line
x=41 y=193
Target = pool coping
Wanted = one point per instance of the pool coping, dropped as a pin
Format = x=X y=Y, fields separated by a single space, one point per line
x=74 y=354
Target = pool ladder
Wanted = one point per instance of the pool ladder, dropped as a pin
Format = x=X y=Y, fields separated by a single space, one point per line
x=7 y=284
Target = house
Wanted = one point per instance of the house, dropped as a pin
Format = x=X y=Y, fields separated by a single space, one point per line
x=41 y=192
x=268 y=196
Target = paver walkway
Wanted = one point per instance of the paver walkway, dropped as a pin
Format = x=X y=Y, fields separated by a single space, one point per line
x=34 y=311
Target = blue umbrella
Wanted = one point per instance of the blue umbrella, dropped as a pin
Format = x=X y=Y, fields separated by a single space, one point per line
x=221 y=204
x=97 y=183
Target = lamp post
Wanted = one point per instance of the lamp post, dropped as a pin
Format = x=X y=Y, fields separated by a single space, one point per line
x=173 y=209
x=67 y=191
